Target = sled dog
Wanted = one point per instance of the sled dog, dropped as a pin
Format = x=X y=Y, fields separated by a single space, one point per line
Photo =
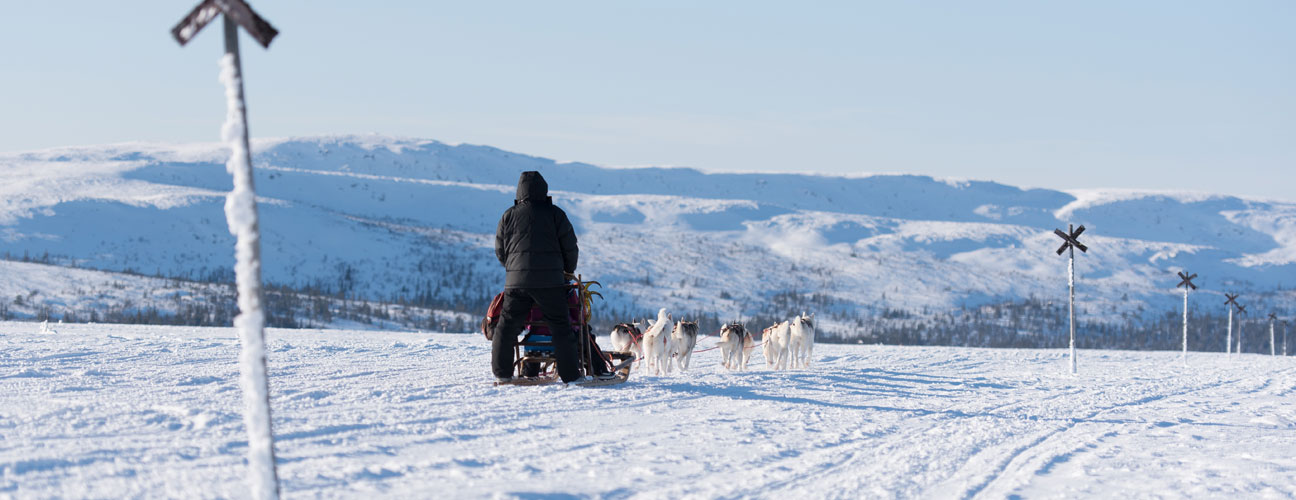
x=657 y=344
x=801 y=344
x=684 y=339
x=776 y=345
x=735 y=346
x=627 y=337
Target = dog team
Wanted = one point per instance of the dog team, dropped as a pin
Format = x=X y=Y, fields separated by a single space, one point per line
x=784 y=344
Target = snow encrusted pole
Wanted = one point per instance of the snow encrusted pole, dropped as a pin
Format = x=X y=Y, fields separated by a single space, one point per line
x=1241 y=312
x=1071 y=241
x=1273 y=340
x=1185 y=281
x=1071 y=304
x=1240 y=325
x=1184 y=357
x=241 y=212
x=1228 y=341
x=1229 y=304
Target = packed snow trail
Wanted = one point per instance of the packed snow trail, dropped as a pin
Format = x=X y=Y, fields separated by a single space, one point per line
x=117 y=411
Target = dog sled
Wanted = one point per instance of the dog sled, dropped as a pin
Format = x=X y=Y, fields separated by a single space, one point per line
x=533 y=357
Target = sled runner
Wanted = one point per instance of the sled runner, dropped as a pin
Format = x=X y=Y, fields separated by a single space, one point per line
x=534 y=362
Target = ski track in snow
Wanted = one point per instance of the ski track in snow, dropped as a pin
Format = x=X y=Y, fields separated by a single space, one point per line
x=118 y=411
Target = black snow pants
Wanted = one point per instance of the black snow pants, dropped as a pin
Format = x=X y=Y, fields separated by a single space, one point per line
x=515 y=310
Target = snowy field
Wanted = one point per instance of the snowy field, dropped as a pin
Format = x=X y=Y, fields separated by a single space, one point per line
x=127 y=411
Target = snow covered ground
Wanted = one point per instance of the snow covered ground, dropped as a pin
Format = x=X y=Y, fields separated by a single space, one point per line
x=126 y=411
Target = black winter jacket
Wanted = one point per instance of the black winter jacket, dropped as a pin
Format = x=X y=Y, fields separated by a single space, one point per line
x=535 y=242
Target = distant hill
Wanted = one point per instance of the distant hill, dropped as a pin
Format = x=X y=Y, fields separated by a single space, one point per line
x=411 y=221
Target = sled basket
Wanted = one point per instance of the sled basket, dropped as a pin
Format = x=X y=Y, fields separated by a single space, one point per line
x=534 y=353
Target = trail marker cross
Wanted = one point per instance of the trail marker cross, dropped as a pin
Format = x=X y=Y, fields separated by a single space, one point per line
x=235 y=10
x=241 y=212
x=1071 y=241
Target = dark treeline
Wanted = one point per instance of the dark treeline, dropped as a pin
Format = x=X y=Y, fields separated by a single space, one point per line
x=284 y=308
x=1035 y=324
x=210 y=299
x=189 y=303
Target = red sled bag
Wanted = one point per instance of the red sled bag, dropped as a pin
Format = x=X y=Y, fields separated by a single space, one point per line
x=492 y=316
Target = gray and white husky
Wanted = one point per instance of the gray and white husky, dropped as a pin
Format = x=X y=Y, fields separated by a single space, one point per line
x=684 y=337
x=801 y=340
x=735 y=346
x=627 y=337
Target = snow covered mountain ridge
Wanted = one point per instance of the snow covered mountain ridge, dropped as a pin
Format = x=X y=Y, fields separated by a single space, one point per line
x=391 y=218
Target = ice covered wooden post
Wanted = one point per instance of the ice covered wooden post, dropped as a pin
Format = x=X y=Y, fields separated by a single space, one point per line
x=1273 y=340
x=1185 y=281
x=241 y=213
x=1241 y=312
x=1071 y=241
x=1228 y=304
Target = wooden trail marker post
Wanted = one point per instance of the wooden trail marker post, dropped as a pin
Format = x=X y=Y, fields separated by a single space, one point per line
x=1071 y=241
x=1273 y=345
x=241 y=212
x=1185 y=282
x=1228 y=340
x=1241 y=312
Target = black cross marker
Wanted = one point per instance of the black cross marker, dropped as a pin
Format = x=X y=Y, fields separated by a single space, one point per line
x=1071 y=240
x=235 y=10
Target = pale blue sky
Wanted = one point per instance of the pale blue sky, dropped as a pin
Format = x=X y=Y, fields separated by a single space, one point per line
x=1158 y=94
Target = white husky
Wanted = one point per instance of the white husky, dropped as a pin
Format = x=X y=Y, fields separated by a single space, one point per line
x=657 y=345
x=735 y=346
x=776 y=339
x=684 y=339
x=801 y=344
x=626 y=337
